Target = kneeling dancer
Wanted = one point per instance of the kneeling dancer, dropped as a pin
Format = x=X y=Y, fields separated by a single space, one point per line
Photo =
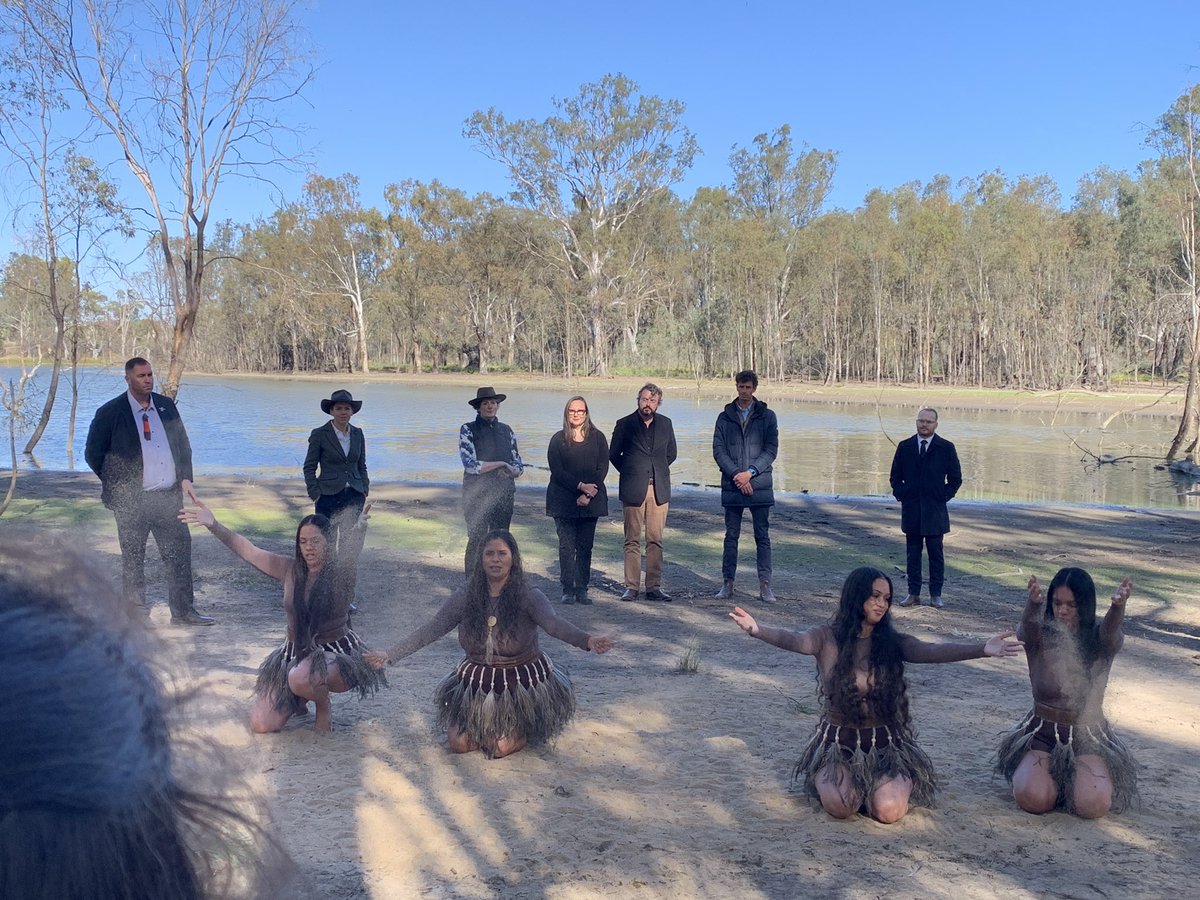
x=863 y=756
x=321 y=653
x=1064 y=754
x=506 y=693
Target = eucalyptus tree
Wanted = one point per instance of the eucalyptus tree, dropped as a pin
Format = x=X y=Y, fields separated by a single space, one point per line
x=1176 y=136
x=781 y=188
x=189 y=90
x=589 y=169
x=344 y=242
x=31 y=108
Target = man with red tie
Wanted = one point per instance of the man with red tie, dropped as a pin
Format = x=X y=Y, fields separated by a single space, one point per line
x=925 y=475
x=138 y=447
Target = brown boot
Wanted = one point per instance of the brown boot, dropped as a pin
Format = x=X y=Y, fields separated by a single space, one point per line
x=726 y=591
x=765 y=594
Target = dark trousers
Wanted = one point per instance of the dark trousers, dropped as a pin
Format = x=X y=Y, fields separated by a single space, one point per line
x=341 y=509
x=762 y=540
x=575 y=539
x=157 y=513
x=937 y=563
x=485 y=510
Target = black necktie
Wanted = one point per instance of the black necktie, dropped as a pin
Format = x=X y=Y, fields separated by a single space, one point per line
x=924 y=447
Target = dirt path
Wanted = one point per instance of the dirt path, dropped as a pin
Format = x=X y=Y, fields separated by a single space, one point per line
x=676 y=785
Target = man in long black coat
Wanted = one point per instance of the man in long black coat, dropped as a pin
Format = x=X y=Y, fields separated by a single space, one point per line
x=925 y=475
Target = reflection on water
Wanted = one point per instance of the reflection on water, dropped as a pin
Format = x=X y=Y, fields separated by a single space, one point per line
x=260 y=426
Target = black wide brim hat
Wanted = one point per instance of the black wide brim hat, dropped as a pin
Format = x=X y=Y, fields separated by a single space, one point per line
x=340 y=397
x=487 y=393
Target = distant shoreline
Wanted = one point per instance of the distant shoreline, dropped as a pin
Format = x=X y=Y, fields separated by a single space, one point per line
x=1149 y=400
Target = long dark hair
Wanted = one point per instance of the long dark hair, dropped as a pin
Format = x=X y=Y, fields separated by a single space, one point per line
x=322 y=598
x=99 y=797
x=1084 y=589
x=508 y=607
x=886 y=700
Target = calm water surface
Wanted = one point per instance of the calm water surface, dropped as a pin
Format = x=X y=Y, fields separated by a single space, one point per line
x=260 y=426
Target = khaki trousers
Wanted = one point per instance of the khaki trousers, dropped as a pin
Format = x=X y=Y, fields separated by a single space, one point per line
x=652 y=516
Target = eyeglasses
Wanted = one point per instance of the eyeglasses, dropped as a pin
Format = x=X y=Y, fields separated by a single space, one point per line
x=577 y=412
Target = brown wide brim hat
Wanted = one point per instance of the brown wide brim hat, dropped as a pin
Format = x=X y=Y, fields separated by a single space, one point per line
x=340 y=397
x=487 y=393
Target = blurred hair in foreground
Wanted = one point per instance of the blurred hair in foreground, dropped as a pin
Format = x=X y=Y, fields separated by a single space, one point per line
x=100 y=796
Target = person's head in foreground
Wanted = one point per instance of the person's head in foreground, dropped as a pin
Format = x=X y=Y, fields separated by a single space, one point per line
x=95 y=801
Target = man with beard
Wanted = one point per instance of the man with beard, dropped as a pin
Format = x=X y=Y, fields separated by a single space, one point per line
x=642 y=450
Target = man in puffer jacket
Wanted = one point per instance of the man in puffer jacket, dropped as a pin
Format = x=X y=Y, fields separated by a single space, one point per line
x=745 y=443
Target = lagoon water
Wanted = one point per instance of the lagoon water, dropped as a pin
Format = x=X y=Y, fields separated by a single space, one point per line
x=259 y=426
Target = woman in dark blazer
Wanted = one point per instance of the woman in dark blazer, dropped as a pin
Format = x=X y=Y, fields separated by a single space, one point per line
x=575 y=497
x=335 y=469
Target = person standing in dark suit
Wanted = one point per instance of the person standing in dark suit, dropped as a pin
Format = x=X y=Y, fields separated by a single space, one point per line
x=745 y=443
x=335 y=468
x=642 y=450
x=576 y=496
x=139 y=448
x=925 y=476
x=491 y=461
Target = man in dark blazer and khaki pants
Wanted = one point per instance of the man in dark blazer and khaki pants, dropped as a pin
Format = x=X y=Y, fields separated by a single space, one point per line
x=925 y=475
x=139 y=448
x=642 y=450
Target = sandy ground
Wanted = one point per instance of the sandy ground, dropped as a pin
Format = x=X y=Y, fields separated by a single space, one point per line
x=676 y=785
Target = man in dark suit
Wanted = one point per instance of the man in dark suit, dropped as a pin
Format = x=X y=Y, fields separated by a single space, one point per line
x=925 y=475
x=642 y=450
x=138 y=447
x=335 y=467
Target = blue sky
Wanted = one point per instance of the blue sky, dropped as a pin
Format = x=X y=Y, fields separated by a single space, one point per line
x=901 y=92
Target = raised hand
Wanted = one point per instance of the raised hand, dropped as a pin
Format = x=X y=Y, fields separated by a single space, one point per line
x=600 y=644
x=1003 y=644
x=1035 y=591
x=364 y=515
x=1124 y=589
x=745 y=621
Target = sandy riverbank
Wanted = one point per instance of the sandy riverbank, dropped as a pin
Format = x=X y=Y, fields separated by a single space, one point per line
x=675 y=785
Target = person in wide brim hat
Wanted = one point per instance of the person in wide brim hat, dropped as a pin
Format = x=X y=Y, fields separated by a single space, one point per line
x=487 y=393
x=340 y=397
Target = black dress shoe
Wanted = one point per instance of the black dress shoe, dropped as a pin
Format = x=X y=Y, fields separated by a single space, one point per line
x=582 y=598
x=658 y=595
x=629 y=595
x=193 y=618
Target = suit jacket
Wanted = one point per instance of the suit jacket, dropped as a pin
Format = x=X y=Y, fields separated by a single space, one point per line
x=338 y=470
x=736 y=449
x=638 y=462
x=923 y=487
x=114 y=447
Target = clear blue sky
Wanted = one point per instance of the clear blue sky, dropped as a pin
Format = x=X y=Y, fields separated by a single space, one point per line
x=902 y=91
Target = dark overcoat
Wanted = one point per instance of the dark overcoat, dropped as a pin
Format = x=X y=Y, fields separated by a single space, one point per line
x=923 y=487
